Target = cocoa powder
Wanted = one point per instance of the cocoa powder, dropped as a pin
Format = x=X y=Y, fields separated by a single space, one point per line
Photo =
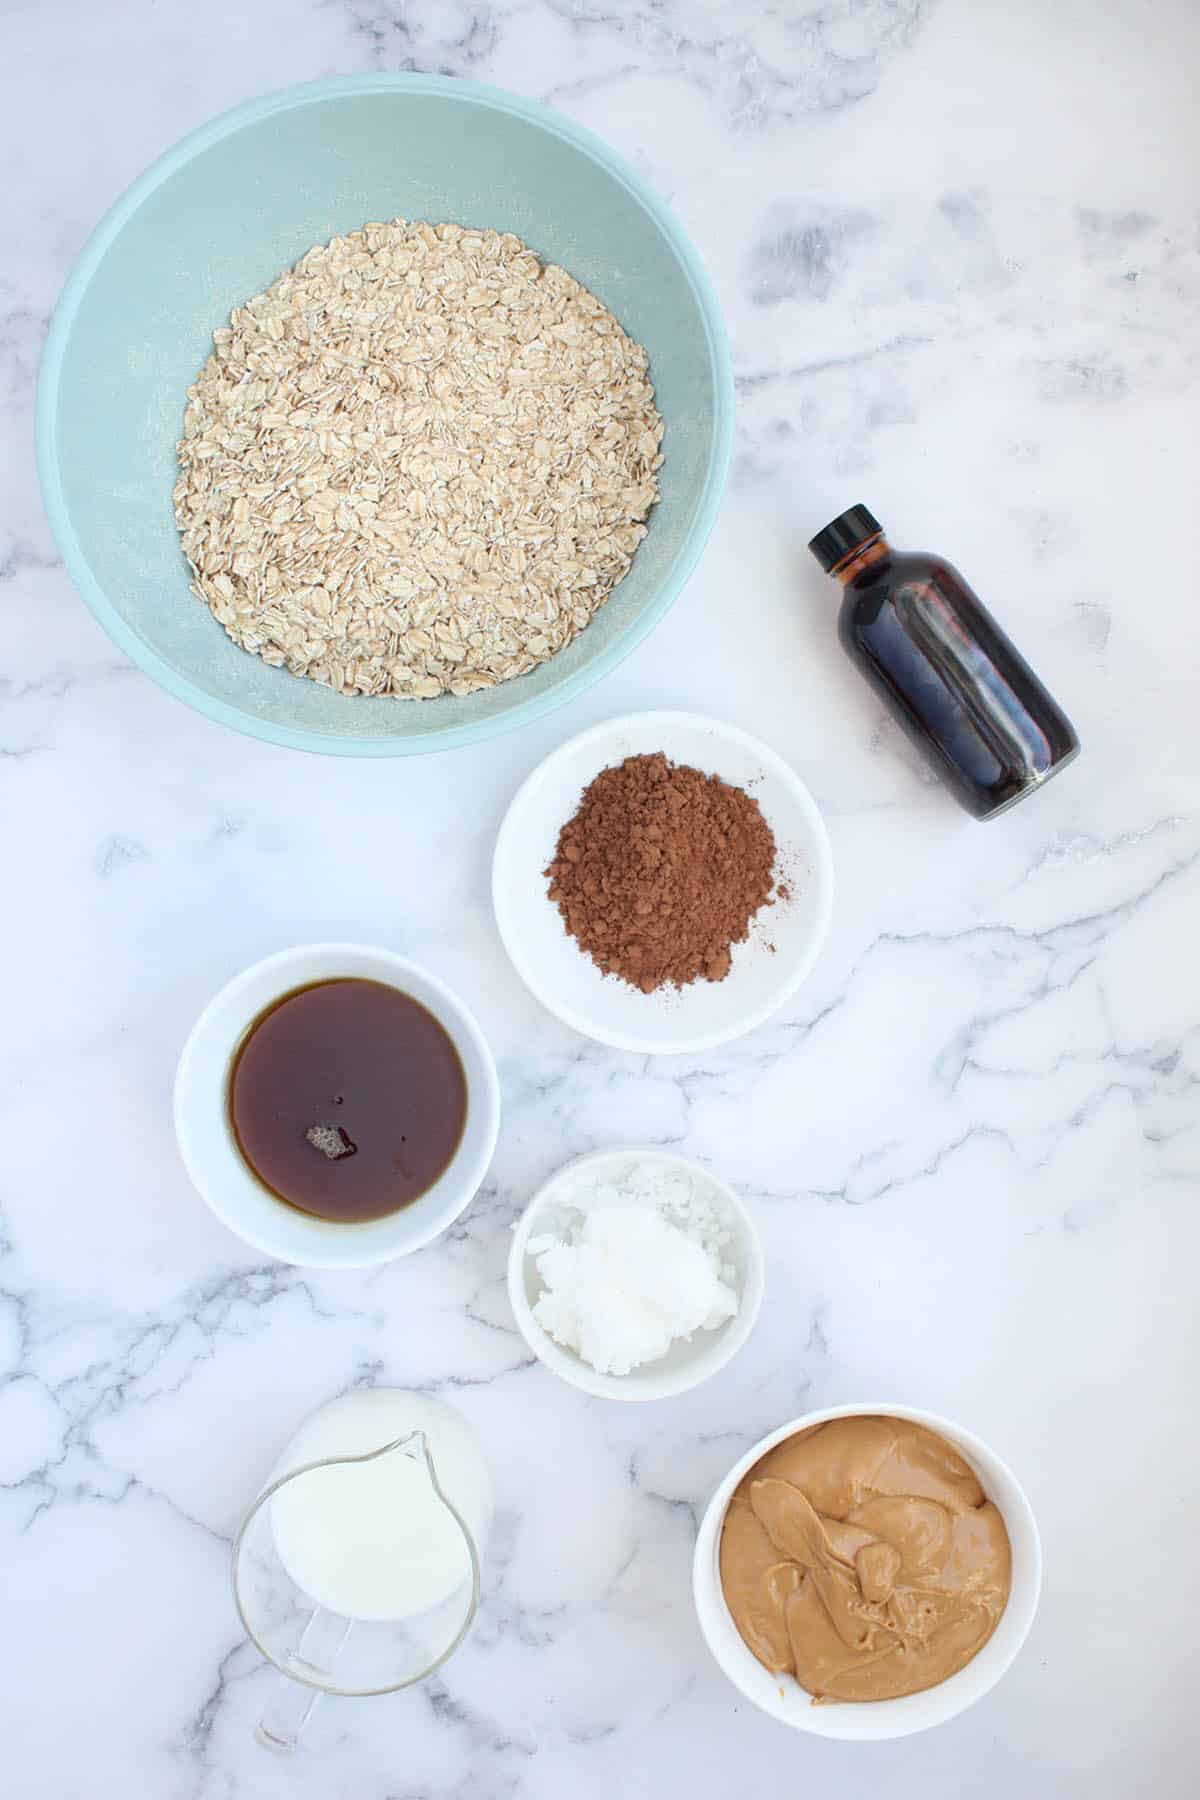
x=660 y=872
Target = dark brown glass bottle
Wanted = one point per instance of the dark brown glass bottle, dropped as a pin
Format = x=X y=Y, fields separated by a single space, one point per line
x=959 y=686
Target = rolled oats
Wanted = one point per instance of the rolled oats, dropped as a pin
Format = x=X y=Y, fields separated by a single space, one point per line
x=417 y=464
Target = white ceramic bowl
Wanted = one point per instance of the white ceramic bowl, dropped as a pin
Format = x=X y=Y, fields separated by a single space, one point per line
x=215 y=1164
x=782 y=1697
x=784 y=940
x=688 y=1362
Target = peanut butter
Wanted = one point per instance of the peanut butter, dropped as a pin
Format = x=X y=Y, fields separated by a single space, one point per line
x=864 y=1558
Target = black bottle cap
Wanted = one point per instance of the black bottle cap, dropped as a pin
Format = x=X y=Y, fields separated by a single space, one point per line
x=844 y=534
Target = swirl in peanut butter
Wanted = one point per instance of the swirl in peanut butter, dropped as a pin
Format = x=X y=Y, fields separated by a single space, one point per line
x=864 y=1558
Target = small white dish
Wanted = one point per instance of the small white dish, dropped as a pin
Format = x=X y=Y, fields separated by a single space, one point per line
x=767 y=969
x=216 y=1166
x=869 y=1721
x=689 y=1361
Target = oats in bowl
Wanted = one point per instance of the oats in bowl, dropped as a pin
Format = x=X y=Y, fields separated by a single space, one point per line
x=417 y=464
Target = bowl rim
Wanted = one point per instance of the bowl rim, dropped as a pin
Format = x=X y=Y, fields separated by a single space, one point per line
x=640 y=1384
x=302 y=1241
x=679 y=1042
x=267 y=106
x=959 y=1692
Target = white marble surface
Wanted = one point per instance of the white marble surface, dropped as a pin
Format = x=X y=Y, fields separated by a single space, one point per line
x=957 y=242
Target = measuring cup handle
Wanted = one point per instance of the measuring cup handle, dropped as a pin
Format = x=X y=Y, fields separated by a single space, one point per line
x=285 y=1715
x=293 y=1699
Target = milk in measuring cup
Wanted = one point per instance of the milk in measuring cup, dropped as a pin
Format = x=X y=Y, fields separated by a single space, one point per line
x=373 y=1540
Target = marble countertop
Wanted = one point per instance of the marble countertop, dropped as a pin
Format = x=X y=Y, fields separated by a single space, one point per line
x=958 y=244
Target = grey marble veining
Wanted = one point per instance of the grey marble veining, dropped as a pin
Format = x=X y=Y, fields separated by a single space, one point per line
x=958 y=245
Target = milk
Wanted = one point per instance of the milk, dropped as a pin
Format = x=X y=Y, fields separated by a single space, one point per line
x=373 y=1540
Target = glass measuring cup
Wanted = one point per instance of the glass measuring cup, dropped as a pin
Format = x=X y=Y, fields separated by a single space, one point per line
x=358 y=1574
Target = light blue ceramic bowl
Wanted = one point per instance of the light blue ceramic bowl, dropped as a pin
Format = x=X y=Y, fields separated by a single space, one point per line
x=215 y=221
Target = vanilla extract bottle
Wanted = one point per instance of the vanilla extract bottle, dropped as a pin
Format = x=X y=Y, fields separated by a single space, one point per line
x=948 y=673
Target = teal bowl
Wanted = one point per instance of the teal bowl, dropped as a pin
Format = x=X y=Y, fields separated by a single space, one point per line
x=214 y=221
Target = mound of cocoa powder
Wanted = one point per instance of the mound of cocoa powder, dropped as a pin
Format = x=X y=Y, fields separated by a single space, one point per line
x=661 y=871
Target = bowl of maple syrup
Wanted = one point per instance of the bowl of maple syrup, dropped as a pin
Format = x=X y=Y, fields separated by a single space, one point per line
x=336 y=1106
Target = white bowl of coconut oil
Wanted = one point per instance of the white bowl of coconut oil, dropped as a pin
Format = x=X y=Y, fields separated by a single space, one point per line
x=635 y=1274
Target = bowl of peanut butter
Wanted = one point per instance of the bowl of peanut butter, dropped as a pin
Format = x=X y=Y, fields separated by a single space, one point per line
x=867 y=1572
